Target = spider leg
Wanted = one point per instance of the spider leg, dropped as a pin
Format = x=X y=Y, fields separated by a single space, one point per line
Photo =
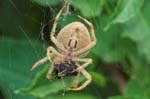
x=91 y=29
x=87 y=62
x=84 y=72
x=93 y=42
x=87 y=82
x=49 y=73
x=38 y=63
x=51 y=52
x=48 y=57
x=52 y=34
x=76 y=81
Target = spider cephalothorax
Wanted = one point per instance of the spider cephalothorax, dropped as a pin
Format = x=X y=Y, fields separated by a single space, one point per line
x=73 y=43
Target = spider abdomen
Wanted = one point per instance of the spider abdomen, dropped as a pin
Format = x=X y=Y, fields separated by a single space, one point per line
x=78 y=29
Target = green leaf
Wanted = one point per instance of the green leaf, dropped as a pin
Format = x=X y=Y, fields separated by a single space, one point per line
x=89 y=8
x=130 y=8
x=111 y=46
x=42 y=87
x=138 y=90
x=98 y=79
x=140 y=33
x=139 y=85
x=116 y=97
x=16 y=59
x=73 y=96
x=138 y=30
x=126 y=10
x=13 y=9
x=46 y=3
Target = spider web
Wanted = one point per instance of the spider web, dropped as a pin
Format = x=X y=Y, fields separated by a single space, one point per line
x=44 y=38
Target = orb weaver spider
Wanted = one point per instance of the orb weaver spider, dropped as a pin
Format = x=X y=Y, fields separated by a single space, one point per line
x=73 y=43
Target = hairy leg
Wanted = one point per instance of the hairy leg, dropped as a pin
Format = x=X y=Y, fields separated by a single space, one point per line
x=86 y=63
x=49 y=73
x=93 y=42
x=51 y=52
x=76 y=80
x=52 y=34
x=38 y=63
x=87 y=82
x=83 y=71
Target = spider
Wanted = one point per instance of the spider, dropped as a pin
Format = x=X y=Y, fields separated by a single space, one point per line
x=73 y=43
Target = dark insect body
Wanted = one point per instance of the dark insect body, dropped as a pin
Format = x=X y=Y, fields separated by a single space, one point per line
x=65 y=69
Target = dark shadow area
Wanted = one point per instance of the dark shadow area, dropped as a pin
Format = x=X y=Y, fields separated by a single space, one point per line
x=1 y=95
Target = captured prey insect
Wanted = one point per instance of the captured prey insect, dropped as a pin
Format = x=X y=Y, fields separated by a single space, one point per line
x=73 y=43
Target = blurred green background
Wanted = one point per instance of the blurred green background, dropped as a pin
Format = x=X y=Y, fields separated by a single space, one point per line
x=121 y=58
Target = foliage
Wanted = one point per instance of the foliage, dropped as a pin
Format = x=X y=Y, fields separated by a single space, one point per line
x=121 y=54
x=46 y=2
